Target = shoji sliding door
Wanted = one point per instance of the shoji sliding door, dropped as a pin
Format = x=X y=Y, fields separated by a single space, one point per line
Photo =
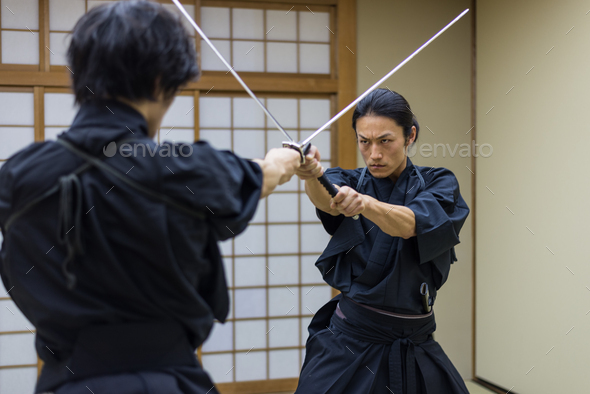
x=275 y=287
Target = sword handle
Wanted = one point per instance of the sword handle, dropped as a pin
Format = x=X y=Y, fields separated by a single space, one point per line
x=331 y=189
x=328 y=186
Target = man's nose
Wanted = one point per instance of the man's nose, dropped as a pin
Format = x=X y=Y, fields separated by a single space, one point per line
x=376 y=153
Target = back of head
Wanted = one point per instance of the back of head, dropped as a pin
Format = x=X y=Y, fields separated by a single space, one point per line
x=131 y=50
x=387 y=103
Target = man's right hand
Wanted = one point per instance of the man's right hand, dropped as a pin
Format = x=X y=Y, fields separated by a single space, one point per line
x=285 y=160
x=312 y=168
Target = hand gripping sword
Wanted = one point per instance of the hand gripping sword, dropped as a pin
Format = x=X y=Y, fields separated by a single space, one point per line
x=303 y=146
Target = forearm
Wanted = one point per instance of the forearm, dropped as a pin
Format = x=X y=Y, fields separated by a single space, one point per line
x=394 y=220
x=319 y=196
x=270 y=177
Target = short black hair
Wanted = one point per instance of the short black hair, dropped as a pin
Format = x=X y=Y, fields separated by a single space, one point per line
x=390 y=104
x=131 y=50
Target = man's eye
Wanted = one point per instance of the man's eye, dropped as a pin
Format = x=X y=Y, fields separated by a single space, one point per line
x=385 y=141
x=364 y=142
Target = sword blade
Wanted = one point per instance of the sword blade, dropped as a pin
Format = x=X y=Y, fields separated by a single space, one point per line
x=379 y=82
x=231 y=69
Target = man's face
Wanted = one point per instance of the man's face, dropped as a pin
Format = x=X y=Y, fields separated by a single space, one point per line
x=382 y=144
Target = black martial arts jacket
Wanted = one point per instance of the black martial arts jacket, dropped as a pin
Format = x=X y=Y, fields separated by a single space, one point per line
x=386 y=272
x=121 y=280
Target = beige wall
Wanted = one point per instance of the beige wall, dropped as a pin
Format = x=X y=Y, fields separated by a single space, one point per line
x=528 y=300
x=437 y=85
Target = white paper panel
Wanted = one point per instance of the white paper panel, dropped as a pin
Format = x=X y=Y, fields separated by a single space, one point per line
x=250 y=271
x=51 y=133
x=226 y=247
x=249 y=144
x=285 y=112
x=25 y=14
x=219 y=366
x=314 y=58
x=190 y=9
x=231 y=305
x=284 y=333
x=250 y=303
x=247 y=24
x=60 y=109
x=275 y=137
x=181 y=113
x=251 y=366
x=284 y=364
x=321 y=141
x=281 y=57
x=289 y=186
x=260 y=215
x=210 y=61
x=251 y=334
x=309 y=272
x=220 y=339
x=13 y=139
x=18 y=380
x=308 y=210
x=251 y=241
x=282 y=25
x=285 y=270
x=214 y=112
x=59 y=43
x=17 y=109
x=17 y=349
x=248 y=55
x=283 y=301
x=313 y=298
x=228 y=268
x=304 y=324
x=313 y=238
x=314 y=27
x=96 y=3
x=179 y=135
x=247 y=113
x=283 y=238
x=11 y=318
x=283 y=207
x=19 y=47
x=215 y=22
x=63 y=14
x=314 y=113
x=219 y=139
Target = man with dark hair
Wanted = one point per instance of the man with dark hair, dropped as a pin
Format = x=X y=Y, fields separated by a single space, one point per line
x=113 y=257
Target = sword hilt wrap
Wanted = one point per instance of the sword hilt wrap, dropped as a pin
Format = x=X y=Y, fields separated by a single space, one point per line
x=304 y=150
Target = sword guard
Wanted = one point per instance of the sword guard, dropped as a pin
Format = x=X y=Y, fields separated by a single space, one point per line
x=302 y=149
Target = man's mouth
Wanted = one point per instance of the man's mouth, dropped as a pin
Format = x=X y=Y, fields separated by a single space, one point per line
x=376 y=166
